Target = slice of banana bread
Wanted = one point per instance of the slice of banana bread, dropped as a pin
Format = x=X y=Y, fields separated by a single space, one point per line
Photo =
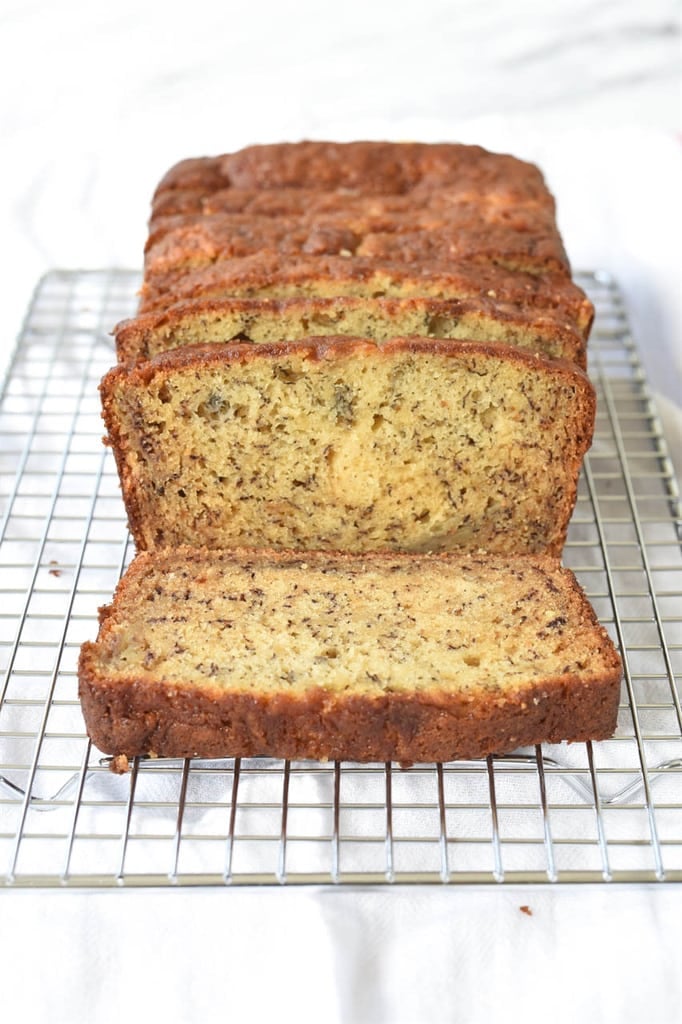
x=273 y=320
x=327 y=656
x=267 y=275
x=342 y=444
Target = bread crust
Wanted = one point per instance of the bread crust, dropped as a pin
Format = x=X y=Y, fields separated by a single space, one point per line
x=163 y=720
x=531 y=242
x=193 y=200
x=367 y=167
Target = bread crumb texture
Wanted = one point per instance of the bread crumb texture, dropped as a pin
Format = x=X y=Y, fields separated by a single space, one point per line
x=268 y=321
x=394 y=625
x=346 y=445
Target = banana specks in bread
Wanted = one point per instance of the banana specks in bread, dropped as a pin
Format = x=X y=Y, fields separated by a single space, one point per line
x=270 y=321
x=365 y=658
x=341 y=444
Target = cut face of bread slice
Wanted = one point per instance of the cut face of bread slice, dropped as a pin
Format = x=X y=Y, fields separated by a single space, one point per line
x=271 y=321
x=379 y=658
x=339 y=443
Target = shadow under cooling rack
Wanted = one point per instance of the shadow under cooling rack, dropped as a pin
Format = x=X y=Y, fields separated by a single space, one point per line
x=586 y=812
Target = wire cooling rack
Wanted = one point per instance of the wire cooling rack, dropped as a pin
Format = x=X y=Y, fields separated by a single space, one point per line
x=585 y=812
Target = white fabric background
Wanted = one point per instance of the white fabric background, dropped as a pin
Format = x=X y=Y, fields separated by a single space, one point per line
x=96 y=102
x=403 y=956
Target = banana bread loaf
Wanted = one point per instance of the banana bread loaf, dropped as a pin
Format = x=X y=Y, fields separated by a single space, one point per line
x=366 y=219
x=339 y=443
x=327 y=656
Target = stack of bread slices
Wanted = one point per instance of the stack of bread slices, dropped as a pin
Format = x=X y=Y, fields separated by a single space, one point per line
x=349 y=420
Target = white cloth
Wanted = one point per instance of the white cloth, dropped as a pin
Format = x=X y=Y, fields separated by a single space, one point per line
x=398 y=956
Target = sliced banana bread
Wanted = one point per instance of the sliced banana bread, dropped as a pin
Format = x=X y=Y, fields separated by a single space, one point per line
x=273 y=320
x=339 y=443
x=267 y=275
x=326 y=656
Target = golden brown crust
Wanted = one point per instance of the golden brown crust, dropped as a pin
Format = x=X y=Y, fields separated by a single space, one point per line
x=140 y=718
x=287 y=202
x=525 y=237
x=370 y=168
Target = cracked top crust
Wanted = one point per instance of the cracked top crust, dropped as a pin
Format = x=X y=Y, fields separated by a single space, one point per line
x=365 y=168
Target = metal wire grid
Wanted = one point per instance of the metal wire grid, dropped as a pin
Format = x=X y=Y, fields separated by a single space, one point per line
x=608 y=811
